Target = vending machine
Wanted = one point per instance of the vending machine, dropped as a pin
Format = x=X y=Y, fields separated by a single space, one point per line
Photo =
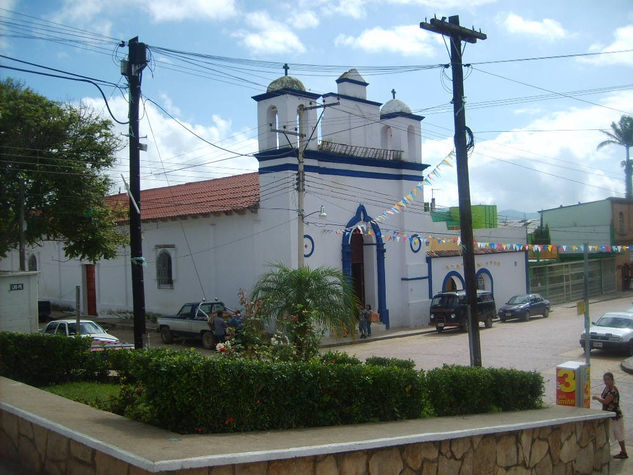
x=573 y=384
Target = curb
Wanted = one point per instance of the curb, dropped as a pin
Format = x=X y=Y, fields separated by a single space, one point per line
x=627 y=365
x=376 y=338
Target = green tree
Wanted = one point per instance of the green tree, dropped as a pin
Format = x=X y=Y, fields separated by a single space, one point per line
x=301 y=300
x=58 y=152
x=622 y=134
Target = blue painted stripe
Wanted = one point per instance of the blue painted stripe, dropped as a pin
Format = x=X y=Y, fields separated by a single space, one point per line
x=330 y=157
x=422 y=277
x=340 y=172
x=353 y=81
x=351 y=98
x=391 y=115
x=280 y=92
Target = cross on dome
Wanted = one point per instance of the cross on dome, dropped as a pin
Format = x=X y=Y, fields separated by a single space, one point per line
x=286 y=68
x=393 y=93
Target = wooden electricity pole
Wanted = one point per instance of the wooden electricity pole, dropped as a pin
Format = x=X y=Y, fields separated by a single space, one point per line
x=132 y=68
x=457 y=34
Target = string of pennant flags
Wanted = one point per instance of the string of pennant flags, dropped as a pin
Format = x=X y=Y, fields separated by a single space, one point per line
x=399 y=236
x=409 y=198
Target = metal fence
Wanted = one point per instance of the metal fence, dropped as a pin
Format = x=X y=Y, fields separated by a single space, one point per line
x=564 y=282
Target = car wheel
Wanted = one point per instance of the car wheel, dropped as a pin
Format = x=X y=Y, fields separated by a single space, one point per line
x=525 y=316
x=166 y=336
x=440 y=329
x=546 y=313
x=488 y=322
x=208 y=341
x=502 y=318
x=631 y=348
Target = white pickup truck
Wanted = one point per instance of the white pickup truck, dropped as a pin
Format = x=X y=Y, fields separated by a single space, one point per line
x=192 y=321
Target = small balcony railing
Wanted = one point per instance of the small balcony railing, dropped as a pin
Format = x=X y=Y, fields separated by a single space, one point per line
x=358 y=151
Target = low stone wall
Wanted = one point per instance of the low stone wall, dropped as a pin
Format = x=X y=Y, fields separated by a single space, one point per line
x=553 y=440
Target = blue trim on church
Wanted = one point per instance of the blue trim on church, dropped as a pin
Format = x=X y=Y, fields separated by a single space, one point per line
x=391 y=115
x=340 y=172
x=353 y=81
x=281 y=92
x=361 y=216
x=351 y=98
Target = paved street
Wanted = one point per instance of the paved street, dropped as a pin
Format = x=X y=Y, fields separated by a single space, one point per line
x=540 y=344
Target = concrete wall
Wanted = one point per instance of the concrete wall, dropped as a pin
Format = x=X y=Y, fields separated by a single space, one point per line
x=49 y=434
x=18 y=302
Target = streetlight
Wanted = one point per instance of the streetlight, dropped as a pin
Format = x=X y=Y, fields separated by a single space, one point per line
x=300 y=232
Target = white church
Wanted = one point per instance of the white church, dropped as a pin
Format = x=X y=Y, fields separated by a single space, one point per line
x=209 y=239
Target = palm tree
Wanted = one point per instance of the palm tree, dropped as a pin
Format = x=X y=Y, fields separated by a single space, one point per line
x=622 y=134
x=308 y=298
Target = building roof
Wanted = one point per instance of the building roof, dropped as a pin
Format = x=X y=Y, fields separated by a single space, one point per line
x=476 y=250
x=395 y=106
x=232 y=194
x=285 y=82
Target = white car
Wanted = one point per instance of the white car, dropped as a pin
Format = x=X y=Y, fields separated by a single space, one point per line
x=100 y=337
x=612 y=331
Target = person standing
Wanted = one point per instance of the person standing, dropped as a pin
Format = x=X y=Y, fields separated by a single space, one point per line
x=367 y=316
x=362 y=323
x=219 y=327
x=610 y=400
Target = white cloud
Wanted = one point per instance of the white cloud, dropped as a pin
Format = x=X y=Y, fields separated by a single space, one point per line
x=91 y=12
x=304 y=19
x=623 y=40
x=170 y=10
x=267 y=35
x=546 y=29
x=174 y=155
x=529 y=171
x=407 y=40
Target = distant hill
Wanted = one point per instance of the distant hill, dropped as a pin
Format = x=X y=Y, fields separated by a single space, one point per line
x=514 y=215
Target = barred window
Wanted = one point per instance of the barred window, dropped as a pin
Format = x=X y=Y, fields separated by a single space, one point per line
x=164 y=271
x=32 y=262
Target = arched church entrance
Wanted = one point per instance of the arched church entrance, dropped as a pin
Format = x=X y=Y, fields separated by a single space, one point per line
x=364 y=261
x=358 y=266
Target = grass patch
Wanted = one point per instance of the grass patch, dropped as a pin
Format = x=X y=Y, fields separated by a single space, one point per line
x=91 y=393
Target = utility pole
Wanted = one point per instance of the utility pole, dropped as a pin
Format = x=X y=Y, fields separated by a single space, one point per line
x=132 y=68
x=22 y=245
x=457 y=34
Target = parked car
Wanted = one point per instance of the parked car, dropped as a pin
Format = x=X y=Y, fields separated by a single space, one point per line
x=101 y=339
x=449 y=309
x=612 y=331
x=192 y=321
x=524 y=306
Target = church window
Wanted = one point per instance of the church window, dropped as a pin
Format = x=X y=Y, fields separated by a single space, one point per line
x=411 y=152
x=32 y=262
x=164 y=270
x=272 y=119
x=386 y=138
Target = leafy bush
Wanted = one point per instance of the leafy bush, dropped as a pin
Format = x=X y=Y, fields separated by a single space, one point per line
x=515 y=390
x=459 y=390
x=40 y=360
x=186 y=392
x=382 y=361
x=338 y=357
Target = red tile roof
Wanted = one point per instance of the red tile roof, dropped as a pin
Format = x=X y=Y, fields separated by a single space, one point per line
x=222 y=195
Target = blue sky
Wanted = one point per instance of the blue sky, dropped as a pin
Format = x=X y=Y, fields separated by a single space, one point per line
x=535 y=122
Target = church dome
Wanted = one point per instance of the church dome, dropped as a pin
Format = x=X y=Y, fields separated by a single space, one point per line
x=395 y=106
x=285 y=82
x=352 y=75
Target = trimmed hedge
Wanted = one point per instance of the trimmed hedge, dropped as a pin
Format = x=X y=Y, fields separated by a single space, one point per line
x=186 y=392
x=42 y=360
x=460 y=390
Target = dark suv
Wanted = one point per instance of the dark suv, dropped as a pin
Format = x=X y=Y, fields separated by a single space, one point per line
x=449 y=309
